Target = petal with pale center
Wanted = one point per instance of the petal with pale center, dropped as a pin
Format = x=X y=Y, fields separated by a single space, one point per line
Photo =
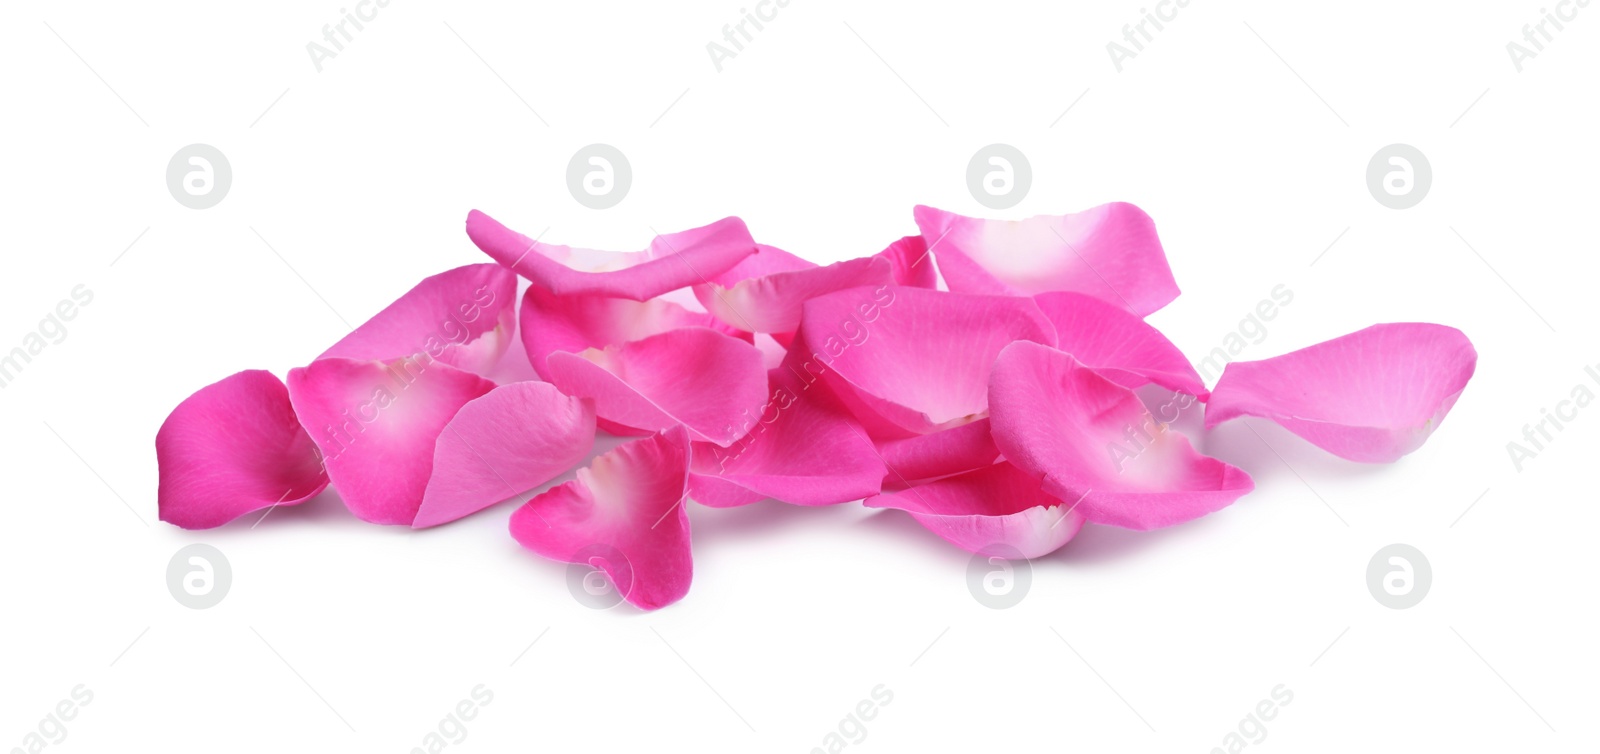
x=1110 y=252
x=1092 y=443
x=624 y=514
x=377 y=424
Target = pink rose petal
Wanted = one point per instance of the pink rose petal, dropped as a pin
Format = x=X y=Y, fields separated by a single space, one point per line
x=911 y=265
x=982 y=510
x=464 y=317
x=950 y=451
x=377 y=424
x=802 y=447
x=1092 y=443
x=1110 y=252
x=692 y=376
x=233 y=447
x=910 y=360
x=673 y=260
x=1373 y=395
x=1117 y=344
x=623 y=514
x=577 y=322
x=513 y=439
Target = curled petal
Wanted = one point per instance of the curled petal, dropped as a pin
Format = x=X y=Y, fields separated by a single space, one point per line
x=377 y=424
x=464 y=317
x=673 y=261
x=513 y=439
x=769 y=301
x=580 y=321
x=909 y=360
x=1124 y=348
x=1110 y=252
x=1091 y=442
x=950 y=451
x=981 y=510
x=1373 y=395
x=693 y=376
x=908 y=258
x=624 y=514
x=802 y=447
x=234 y=447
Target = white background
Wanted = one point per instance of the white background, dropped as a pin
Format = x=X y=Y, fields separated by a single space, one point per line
x=341 y=636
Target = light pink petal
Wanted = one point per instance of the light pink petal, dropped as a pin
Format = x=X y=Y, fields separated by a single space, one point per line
x=1119 y=345
x=983 y=510
x=513 y=439
x=770 y=302
x=801 y=447
x=1091 y=442
x=673 y=261
x=911 y=263
x=377 y=424
x=950 y=451
x=917 y=360
x=1110 y=252
x=693 y=376
x=624 y=514
x=233 y=447
x=464 y=317
x=1373 y=395
x=580 y=321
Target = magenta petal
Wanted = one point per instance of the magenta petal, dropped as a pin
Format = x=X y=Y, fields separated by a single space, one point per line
x=513 y=439
x=951 y=451
x=983 y=510
x=908 y=257
x=1110 y=252
x=233 y=447
x=801 y=448
x=917 y=360
x=623 y=514
x=577 y=322
x=1093 y=443
x=693 y=376
x=770 y=301
x=464 y=317
x=1373 y=395
x=673 y=261
x=377 y=424
x=1117 y=344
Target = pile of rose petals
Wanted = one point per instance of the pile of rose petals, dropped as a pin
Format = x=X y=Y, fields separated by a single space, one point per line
x=999 y=413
